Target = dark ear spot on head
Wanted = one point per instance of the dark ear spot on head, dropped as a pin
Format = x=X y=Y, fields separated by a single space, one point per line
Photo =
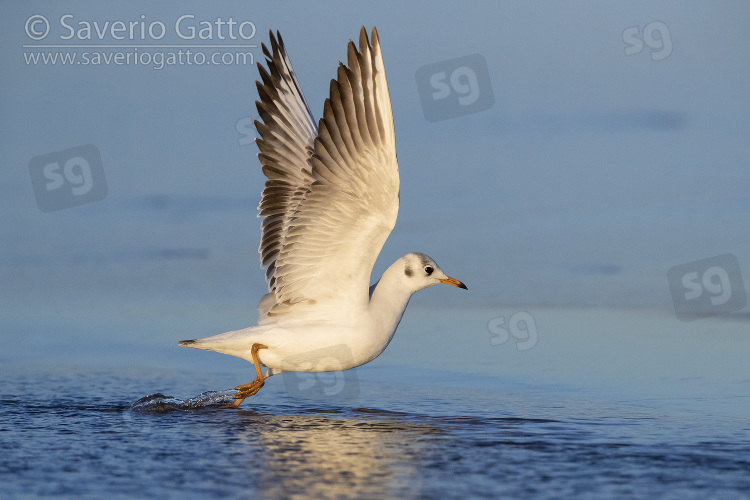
x=408 y=272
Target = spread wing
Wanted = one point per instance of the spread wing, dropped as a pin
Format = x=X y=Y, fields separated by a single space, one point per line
x=331 y=198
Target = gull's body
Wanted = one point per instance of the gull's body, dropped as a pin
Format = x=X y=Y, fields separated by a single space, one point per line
x=329 y=204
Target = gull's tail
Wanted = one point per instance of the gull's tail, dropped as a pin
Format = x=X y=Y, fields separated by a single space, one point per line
x=236 y=343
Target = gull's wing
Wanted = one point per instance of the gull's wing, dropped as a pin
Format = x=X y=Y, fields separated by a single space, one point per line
x=287 y=134
x=331 y=198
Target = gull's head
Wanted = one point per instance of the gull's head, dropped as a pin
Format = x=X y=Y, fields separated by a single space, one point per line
x=419 y=271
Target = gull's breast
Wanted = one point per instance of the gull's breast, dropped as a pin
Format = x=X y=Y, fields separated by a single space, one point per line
x=318 y=348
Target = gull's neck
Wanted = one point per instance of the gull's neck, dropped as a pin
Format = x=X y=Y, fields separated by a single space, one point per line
x=388 y=302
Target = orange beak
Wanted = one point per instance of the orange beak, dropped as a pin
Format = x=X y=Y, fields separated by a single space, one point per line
x=454 y=282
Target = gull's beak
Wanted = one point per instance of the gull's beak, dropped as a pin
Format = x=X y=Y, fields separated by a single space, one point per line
x=454 y=282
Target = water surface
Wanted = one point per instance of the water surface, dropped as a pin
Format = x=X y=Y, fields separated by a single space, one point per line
x=74 y=433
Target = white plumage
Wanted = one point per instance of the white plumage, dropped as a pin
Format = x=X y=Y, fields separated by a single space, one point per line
x=329 y=204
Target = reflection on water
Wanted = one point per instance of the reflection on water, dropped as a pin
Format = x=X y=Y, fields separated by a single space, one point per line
x=75 y=431
x=318 y=456
x=318 y=453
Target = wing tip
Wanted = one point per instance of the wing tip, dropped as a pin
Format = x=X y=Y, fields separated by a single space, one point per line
x=372 y=41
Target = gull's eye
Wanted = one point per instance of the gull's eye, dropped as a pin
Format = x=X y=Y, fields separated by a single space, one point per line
x=428 y=270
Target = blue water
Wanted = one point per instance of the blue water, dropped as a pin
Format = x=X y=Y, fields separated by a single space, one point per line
x=404 y=433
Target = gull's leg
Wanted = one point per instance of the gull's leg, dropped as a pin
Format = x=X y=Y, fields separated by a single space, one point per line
x=247 y=390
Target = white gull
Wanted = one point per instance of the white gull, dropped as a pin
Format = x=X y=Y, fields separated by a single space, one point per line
x=329 y=204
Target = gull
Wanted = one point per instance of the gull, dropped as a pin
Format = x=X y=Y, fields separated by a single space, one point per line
x=328 y=206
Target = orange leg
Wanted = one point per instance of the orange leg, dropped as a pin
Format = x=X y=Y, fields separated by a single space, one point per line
x=247 y=390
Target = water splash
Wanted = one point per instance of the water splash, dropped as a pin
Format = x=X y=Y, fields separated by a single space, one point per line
x=159 y=403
